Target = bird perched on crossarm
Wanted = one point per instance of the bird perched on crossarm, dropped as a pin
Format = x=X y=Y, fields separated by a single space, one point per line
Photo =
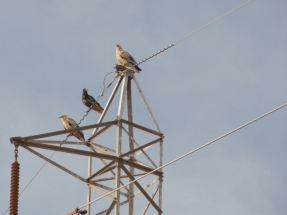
x=89 y=101
x=69 y=123
x=125 y=59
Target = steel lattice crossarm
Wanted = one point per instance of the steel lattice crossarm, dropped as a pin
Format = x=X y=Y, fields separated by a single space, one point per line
x=120 y=162
x=34 y=144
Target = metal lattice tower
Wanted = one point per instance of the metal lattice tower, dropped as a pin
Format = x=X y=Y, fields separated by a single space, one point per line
x=120 y=167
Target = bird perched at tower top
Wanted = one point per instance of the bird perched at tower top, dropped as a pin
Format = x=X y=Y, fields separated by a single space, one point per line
x=125 y=59
x=69 y=123
x=89 y=101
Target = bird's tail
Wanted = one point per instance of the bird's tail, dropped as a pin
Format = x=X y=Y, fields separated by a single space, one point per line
x=136 y=68
x=99 y=109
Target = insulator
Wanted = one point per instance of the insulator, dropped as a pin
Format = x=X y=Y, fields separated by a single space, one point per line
x=14 y=189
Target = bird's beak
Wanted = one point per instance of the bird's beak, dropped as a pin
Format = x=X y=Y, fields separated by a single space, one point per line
x=60 y=117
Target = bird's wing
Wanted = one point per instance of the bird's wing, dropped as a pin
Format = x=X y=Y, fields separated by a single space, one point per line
x=125 y=55
x=91 y=99
x=94 y=102
x=97 y=103
x=82 y=134
x=72 y=122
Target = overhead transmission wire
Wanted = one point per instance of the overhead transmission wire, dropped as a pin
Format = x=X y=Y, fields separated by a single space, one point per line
x=142 y=61
x=199 y=29
x=188 y=153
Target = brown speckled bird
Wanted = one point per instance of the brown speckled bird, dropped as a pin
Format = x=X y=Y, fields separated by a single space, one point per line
x=90 y=101
x=69 y=123
x=125 y=59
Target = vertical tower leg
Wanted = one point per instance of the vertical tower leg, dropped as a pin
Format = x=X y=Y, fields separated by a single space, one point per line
x=161 y=176
x=119 y=141
x=131 y=144
x=88 y=187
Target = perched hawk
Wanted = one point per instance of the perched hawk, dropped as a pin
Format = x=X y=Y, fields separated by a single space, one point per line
x=90 y=101
x=125 y=59
x=69 y=123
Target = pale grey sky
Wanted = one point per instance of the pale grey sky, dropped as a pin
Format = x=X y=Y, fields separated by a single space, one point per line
x=205 y=86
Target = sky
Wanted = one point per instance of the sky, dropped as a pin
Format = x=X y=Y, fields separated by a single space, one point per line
x=206 y=85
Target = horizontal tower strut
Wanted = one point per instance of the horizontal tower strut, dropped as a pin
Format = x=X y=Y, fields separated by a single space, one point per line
x=141 y=127
x=68 y=150
x=25 y=143
x=69 y=130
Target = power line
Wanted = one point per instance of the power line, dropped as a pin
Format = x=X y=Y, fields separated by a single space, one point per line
x=188 y=153
x=208 y=24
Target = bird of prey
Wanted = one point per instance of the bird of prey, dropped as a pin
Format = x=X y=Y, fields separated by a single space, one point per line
x=89 y=101
x=69 y=123
x=125 y=59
